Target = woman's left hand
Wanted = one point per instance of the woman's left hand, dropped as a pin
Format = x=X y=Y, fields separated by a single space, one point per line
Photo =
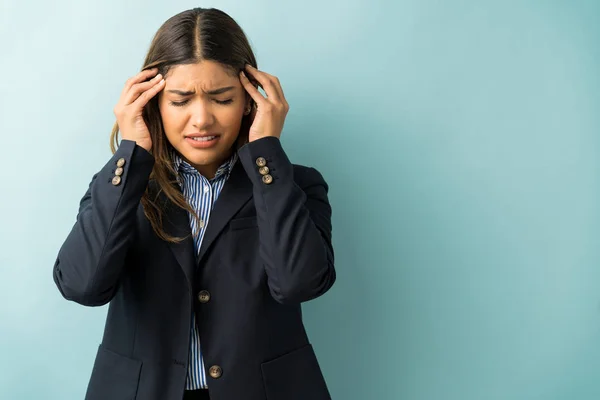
x=269 y=116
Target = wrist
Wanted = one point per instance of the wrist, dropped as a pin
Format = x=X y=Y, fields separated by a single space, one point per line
x=138 y=144
x=144 y=145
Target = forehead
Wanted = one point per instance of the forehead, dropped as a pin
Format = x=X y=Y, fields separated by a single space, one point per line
x=204 y=75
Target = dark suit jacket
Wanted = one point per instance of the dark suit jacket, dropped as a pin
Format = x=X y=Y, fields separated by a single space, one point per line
x=267 y=248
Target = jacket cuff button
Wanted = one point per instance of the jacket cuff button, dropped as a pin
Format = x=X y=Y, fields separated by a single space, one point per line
x=261 y=162
x=267 y=179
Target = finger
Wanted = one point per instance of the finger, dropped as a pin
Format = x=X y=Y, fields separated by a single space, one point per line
x=139 y=88
x=252 y=91
x=276 y=84
x=281 y=100
x=140 y=77
x=145 y=97
x=266 y=83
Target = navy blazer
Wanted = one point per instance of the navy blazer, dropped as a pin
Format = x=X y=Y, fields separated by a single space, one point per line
x=267 y=248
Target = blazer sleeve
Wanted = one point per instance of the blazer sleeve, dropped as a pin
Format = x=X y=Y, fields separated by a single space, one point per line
x=90 y=261
x=294 y=222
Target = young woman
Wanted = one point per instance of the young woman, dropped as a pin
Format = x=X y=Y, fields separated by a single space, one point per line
x=200 y=232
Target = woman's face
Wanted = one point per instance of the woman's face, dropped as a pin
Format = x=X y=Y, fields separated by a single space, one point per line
x=202 y=106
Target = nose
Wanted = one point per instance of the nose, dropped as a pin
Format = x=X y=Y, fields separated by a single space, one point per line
x=202 y=116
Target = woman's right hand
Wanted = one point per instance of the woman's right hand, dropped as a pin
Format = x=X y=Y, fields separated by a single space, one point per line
x=136 y=94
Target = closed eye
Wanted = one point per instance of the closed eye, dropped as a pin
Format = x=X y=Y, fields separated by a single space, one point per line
x=184 y=102
x=179 y=103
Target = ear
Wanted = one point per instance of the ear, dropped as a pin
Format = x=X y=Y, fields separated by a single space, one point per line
x=249 y=103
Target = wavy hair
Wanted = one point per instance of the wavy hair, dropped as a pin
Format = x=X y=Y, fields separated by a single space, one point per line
x=189 y=37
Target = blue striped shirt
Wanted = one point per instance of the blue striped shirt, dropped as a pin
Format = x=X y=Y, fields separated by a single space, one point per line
x=201 y=194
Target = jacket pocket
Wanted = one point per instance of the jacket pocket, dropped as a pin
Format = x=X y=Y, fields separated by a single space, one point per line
x=114 y=377
x=295 y=376
x=243 y=223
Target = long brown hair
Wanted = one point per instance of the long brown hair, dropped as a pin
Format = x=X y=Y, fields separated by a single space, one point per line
x=186 y=38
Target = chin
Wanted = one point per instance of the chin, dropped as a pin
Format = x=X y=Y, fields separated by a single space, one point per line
x=216 y=153
x=200 y=157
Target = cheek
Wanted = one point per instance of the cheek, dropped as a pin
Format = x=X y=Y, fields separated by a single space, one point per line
x=171 y=119
x=230 y=117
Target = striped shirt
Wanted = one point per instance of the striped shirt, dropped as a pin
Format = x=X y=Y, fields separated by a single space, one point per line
x=201 y=194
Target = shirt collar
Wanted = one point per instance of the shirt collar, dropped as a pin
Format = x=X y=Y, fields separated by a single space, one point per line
x=183 y=167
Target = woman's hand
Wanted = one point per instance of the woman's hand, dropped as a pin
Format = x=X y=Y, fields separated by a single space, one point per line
x=269 y=117
x=136 y=94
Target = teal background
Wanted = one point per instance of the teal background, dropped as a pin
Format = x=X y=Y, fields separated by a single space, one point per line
x=460 y=141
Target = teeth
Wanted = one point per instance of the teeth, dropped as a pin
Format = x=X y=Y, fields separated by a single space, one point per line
x=203 y=139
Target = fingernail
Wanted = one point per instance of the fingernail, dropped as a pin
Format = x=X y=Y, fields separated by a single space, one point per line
x=244 y=75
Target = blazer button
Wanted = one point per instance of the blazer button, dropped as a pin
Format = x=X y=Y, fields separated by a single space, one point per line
x=267 y=179
x=204 y=296
x=116 y=180
x=261 y=162
x=119 y=171
x=121 y=162
x=264 y=170
x=215 y=371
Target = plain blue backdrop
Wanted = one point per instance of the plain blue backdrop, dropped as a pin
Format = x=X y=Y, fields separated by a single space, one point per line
x=461 y=143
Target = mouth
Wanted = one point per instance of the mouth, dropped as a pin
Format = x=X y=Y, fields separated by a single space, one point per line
x=200 y=141
x=203 y=138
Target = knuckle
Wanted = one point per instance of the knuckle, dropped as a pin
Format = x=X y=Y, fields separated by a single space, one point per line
x=122 y=114
x=136 y=86
x=138 y=101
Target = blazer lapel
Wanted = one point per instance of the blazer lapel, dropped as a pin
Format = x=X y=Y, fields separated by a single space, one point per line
x=176 y=223
x=235 y=193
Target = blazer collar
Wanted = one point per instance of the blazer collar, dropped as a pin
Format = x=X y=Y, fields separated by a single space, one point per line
x=236 y=192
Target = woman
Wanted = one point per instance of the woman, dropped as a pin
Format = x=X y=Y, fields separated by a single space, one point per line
x=199 y=231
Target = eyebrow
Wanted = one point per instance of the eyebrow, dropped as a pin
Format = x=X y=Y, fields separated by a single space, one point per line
x=210 y=92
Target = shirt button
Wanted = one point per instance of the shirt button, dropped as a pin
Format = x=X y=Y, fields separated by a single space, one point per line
x=206 y=188
x=201 y=224
x=215 y=371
